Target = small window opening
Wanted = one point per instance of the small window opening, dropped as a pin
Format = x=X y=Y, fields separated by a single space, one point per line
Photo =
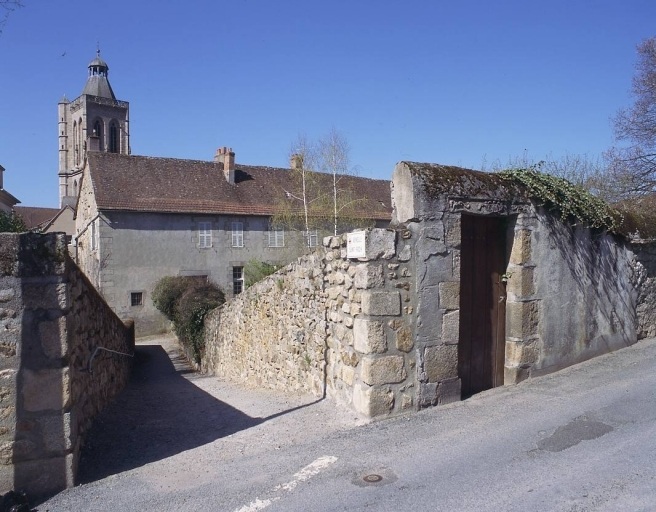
x=237 y=280
x=136 y=299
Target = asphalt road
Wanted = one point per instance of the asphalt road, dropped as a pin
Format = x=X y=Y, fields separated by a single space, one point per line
x=583 y=439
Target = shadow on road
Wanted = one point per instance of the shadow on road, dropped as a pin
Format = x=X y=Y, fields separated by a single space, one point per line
x=159 y=414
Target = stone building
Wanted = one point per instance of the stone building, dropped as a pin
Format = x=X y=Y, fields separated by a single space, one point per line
x=141 y=218
x=48 y=220
x=95 y=120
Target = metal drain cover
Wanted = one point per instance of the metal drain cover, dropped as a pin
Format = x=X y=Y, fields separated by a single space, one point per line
x=374 y=477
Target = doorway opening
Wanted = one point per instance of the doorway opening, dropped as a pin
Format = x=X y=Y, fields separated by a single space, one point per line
x=483 y=263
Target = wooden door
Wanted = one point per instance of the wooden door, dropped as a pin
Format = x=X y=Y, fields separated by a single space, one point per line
x=481 y=347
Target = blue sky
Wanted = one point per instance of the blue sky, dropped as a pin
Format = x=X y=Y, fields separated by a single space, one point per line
x=464 y=83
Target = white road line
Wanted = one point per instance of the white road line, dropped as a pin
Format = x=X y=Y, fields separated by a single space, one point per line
x=258 y=504
x=304 y=474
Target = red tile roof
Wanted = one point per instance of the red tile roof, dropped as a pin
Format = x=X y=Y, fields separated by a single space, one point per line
x=151 y=184
x=35 y=216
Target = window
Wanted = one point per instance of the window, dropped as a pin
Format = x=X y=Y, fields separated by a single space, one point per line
x=238 y=234
x=136 y=299
x=204 y=235
x=113 y=138
x=237 y=280
x=76 y=142
x=94 y=235
x=80 y=144
x=98 y=132
x=312 y=238
x=277 y=237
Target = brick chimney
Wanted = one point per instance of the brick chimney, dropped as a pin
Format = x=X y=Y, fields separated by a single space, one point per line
x=225 y=157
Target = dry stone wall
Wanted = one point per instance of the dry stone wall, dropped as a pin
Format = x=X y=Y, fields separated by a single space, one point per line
x=273 y=334
x=53 y=321
x=326 y=324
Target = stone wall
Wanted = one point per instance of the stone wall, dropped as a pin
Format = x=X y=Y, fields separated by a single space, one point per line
x=49 y=390
x=569 y=295
x=586 y=300
x=382 y=332
x=644 y=279
x=369 y=312
x=273 y=334
x=326 y=324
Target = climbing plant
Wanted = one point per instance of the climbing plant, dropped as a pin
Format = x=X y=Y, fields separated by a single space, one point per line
x=572 y=201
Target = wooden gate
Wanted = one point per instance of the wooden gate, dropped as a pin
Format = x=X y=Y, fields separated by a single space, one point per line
x=481 y=347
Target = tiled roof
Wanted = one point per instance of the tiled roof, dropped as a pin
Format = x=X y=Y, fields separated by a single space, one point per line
x=35 y=216
x=150 y=184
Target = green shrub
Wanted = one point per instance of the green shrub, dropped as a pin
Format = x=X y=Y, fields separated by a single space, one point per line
x=190 y=311
x=186 y=301
x=167 y=291
x=255 y=271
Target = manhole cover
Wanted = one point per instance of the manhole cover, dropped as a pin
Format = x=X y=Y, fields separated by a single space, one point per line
x=372 y=478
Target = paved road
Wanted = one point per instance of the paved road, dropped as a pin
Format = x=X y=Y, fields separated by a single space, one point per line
x=583 y=439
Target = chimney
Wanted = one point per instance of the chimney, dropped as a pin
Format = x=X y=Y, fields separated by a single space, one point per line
x=296 y=161
x=225 y=157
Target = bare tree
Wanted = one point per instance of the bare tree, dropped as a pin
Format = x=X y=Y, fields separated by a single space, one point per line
x=587 y=172
x=298 y=210
x=632 y=166
x=6 y=8
x=334 y=160
x=321 y=197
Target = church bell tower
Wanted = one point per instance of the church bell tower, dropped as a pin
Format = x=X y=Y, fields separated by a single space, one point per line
x=94 y=121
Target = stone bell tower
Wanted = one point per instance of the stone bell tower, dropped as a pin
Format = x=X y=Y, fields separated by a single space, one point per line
x=94 y=121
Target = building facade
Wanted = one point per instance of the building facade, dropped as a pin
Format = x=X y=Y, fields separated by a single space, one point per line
x=142 y=218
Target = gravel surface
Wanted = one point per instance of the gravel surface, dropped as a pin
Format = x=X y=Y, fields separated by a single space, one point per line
x=172 y=428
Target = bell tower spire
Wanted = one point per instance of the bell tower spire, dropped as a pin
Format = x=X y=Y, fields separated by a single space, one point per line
x=94 y=121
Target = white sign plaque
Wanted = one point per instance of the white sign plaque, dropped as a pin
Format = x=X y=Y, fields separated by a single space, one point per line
x=355 y=244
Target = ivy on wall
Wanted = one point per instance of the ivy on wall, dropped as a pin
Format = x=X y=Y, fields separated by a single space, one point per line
x=572 y=201
x=634 y=219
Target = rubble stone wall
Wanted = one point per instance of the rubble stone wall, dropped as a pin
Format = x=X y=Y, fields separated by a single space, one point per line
x=50 y=389
x=326 y=324
x=381 y=331
x=644 y=278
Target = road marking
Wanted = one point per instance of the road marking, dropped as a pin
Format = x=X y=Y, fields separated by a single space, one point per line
x=258 y=504
x=312 y=469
